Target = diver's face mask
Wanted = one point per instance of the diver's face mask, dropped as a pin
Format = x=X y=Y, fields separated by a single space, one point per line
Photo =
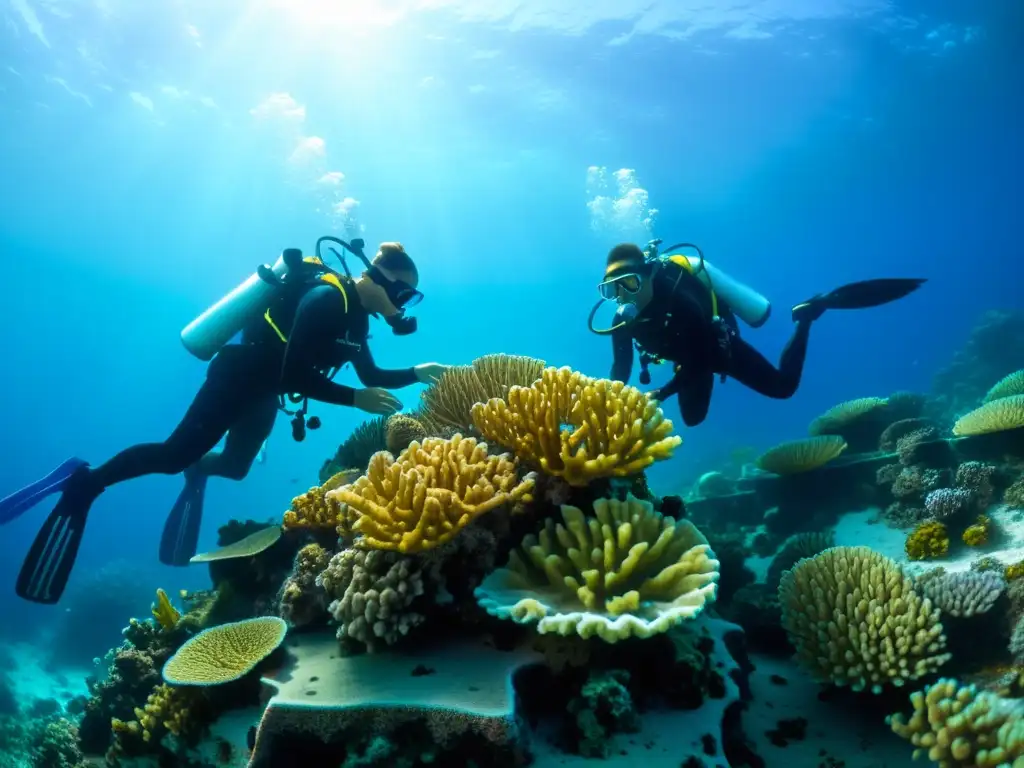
x=622 y=288
x=402 y=296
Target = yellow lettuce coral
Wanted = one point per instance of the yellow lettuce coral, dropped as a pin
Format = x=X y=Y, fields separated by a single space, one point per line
x=855 y=620
x=579 y=428
x=995 y=416
x=429 y=493
x=840 y=416
x=225 y=652
x=313 y=509
x=628 y=571
x=957 y=725
x=801 y=455
x=928 y=540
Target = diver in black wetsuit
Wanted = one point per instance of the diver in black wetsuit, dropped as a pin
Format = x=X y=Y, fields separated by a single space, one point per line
x=671 y=314
x=317 y=322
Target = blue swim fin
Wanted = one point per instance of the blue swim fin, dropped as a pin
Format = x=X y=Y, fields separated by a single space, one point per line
x=181 y=531
x=21 y=501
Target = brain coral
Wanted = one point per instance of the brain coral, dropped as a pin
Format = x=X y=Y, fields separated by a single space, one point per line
x=855 y=620
x=226 y=652
x=628 y=571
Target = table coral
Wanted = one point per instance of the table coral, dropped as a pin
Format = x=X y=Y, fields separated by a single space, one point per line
x=855 y=619
x=995 y=416
x=801 y=455
x=958 y=725
x=839 y=417
x=1009 y=385
x=429 y=493
x=226 y=652
x=628 y=571
x=579 y=428
x=316 y=509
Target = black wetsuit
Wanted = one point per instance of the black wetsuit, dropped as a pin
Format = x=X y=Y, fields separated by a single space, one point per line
x=240 y=396
x=677 y=326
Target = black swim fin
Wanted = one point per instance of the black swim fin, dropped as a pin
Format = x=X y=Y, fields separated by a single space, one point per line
x=181 y=531
x=47 y=567
x=860 y=295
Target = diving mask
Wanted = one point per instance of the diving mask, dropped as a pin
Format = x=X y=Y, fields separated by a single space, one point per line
x=629 y=284
x=399 y=292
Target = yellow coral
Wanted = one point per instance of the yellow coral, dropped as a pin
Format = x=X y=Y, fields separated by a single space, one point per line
x=225 y=653
x=977 y=535
x=429 y=493
x=448 y=404
x=579 y=428
x=838 y=417
x=801 y=455
x=166 y=708
x=957 y=725
x=995 y=416
x=314 y=509
x=1014 y=571
x=628 y=571
x=927 y=540
x=856 y=620
x=166 y=615
x=403 y=430
x=1010 y=385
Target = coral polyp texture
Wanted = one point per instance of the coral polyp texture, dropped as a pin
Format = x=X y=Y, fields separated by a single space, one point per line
x=956 y=725
x=801 y=455
x=994 y=416
x=1008 y=386
x=226 y=652
x=429 y=493
x=626 y=572
x=967 y=593
x=578 y=428
x=856 y=620
x=838 y=417
x=403 y=430
x=313 y=509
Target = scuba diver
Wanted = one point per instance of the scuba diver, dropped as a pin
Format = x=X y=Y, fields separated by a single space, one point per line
x=300 y=322
x=681 y=309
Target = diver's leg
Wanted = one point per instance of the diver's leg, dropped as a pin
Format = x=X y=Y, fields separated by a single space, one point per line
x=245 y=438
x=750 y=368
x=695 y=397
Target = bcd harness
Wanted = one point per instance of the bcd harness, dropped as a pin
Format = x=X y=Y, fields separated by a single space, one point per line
x=318 y=272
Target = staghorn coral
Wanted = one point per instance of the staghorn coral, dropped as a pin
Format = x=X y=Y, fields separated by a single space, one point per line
x=967 y=593
x=841 y=416
x=578 y=428
x=801 y=455
x=958 y=725
x=368 y=438
x=629 y=571
x=977 y=535
x=224 y=653
x=995 y=416
x=928 y=540
x=300 y=601
x=314 y=509
x=165 y=614
x=429 y=493
x=1008 y=386
x=403 y=430
x=373 y=593
x=944 y=503
x=855 y=619
x=794 y=549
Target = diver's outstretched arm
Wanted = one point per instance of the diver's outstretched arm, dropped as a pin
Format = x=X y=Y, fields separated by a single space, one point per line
x=373 y=376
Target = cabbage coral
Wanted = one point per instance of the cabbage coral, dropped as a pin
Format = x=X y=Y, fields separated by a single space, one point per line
x=855 y=619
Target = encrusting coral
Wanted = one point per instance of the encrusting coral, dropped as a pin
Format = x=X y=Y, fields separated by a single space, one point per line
x=628 y=571
x=429 y=493
x=957 y=725
x=801 y=455
x=928 y=540
x=578 y=428
x=226 y=652
x=855 y=619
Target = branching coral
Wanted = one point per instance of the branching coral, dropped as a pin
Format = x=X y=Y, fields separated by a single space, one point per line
x=579 y=428
x=430 y=493
x=628 y=571
x=958 y=725
x=448 y=404
x=966 y=593
x=315 y=509
x=794 y=549
x=928 y=540
x=995 y=416
x=855 y=619
x=801 y=455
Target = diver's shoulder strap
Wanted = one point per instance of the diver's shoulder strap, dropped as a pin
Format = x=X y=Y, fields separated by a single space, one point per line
x=320 y=273
x=686 y=268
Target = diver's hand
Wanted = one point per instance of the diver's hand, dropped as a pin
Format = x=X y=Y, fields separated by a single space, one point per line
x=377 y=401
x=429 y=373
x=655 y=394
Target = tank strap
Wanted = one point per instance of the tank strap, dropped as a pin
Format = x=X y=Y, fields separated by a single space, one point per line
x=329 y=278
x=679 y=260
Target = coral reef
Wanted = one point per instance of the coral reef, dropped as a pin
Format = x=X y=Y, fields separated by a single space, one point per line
x=967 y=593
x=801 y=455
x=856 y=620
x=928 y=540
x=368 y=438
x=944 y=503
x=429 y=493
x=859 y=422
x=958 y=725
x=975 y=477
x=226 y=652
x=301 y=601
x=578 y=428
x=315 y=510
x=898 y=430
x=627 y=572
x=1008 y=386
x=794 y=549
x=995 y=416
x=403 y=430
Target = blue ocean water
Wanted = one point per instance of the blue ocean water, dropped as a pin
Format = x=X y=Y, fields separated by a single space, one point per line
x=154 y=154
